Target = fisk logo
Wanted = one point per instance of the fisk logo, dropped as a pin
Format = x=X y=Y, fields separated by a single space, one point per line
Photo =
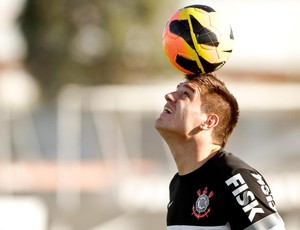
x=266 y=190
x=244 y=196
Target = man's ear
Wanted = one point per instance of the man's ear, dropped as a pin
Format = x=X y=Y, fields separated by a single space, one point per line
x=211 y=121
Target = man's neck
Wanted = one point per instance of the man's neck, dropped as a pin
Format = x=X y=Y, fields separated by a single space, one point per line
x=190 y=155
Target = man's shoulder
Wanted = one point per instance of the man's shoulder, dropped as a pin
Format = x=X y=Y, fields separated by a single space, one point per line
x=227 y=162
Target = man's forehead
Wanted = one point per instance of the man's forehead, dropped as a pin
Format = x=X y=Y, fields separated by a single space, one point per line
x=189 y=84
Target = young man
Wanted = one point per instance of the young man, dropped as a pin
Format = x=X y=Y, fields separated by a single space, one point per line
x=213 y=189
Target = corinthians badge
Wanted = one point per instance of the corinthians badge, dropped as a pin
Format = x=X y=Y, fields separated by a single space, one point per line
x=201 y=207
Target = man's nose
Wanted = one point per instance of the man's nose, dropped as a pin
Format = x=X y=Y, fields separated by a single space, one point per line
x=170 y=97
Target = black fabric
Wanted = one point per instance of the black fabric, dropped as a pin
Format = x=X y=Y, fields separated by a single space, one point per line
x=224 y=190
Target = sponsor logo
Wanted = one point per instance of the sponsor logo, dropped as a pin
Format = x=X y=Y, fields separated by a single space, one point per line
x=244 y=196
x=201 y=207
x=266 y=190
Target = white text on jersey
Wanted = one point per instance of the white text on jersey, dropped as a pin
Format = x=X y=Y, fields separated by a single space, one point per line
x=244 y=196
x=265 y=189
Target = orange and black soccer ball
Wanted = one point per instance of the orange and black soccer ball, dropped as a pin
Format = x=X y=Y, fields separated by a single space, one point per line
x=197 y=39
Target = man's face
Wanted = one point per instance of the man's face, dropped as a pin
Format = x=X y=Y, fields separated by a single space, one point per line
x=182 y=112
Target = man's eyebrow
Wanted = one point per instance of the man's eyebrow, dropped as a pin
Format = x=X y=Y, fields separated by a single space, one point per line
x=193 y=89
x=190 y=87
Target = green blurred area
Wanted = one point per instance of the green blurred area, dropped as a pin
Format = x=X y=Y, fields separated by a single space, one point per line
x=93 y=42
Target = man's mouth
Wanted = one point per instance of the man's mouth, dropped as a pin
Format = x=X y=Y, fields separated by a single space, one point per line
x=168 y=110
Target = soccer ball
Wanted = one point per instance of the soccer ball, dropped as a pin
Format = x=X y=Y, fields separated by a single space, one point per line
x=197 y=39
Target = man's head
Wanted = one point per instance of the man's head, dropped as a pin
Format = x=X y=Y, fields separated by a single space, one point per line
x=216 y=99
x=200 y=103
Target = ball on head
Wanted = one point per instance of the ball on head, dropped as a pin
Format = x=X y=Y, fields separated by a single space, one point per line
x=197 y=39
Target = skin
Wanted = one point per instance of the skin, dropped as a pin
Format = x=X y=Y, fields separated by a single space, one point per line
x=186 y=129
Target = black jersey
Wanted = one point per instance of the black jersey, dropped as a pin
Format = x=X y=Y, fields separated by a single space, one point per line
x=224 y=193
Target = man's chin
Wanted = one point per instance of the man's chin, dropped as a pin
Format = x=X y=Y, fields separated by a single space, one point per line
x=161 y=128
x=158 y=124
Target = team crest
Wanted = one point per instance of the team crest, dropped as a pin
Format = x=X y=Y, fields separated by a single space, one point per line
x=201 y=207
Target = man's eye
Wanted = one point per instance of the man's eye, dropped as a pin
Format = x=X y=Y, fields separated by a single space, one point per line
x=185 y=93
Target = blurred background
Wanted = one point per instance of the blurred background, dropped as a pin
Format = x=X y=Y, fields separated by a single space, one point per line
x=81 y=85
